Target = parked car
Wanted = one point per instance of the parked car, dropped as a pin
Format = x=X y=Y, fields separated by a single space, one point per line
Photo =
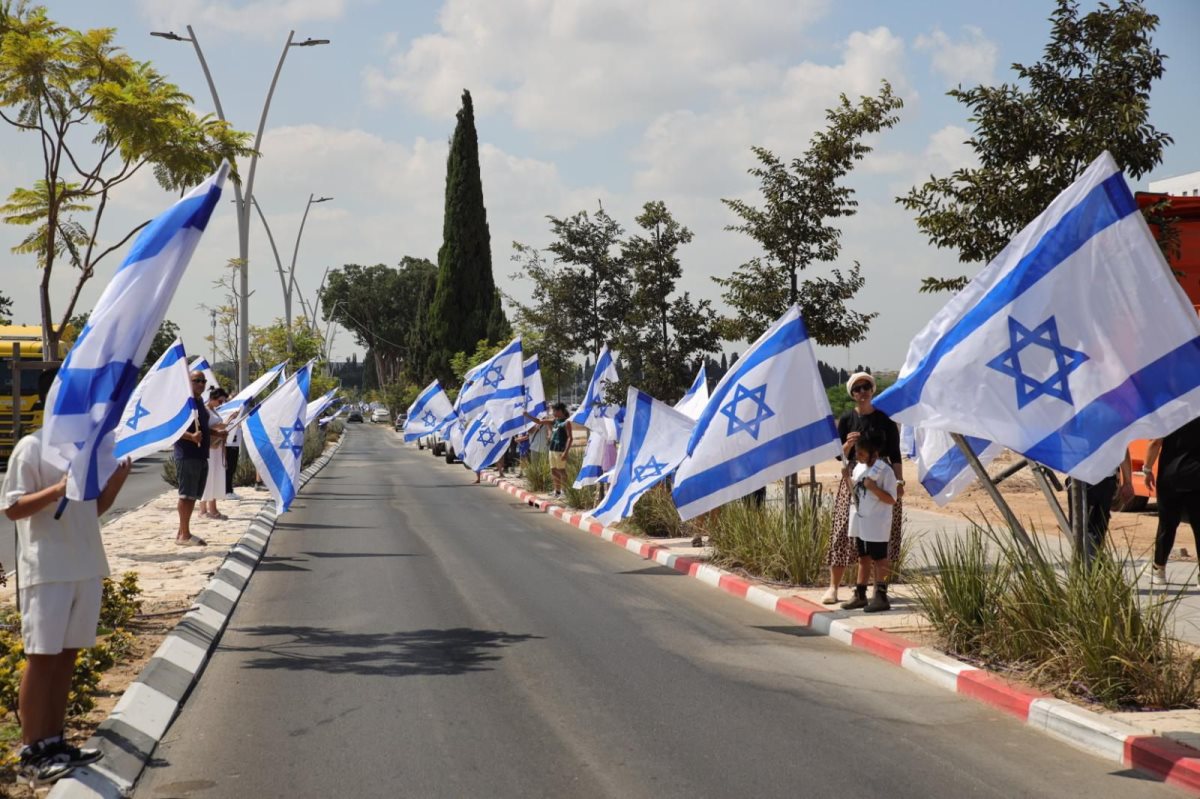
x=380 y=415
x=354 y=416
x=401 y=420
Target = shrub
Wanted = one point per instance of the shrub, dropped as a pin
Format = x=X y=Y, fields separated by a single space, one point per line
x=584 y=498
x=768 y=541
x=655 y=514
x=537 y=473
x=120 y=602
x=314 y=445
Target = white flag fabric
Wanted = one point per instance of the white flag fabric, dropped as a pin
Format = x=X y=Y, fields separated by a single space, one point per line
x=315 y=408
x=942 y=469
x=591 y=470
x=201 y=364
x=535 y=393
x=236 y=405
x=100 y=372
x=497 y=387
x=429 y=412
x=161 y=408
x=483 y=445
x=696 y=398
x=456 y=433
x=653 y=443
x=768 y=417
x=1074 y=341
x=274 y=437
x=595 y=412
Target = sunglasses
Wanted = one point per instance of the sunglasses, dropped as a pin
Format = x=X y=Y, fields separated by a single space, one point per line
x=861 y=387
x=198 y=380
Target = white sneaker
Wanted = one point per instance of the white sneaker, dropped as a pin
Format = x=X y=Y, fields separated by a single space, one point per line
x=232 y=495
x=1158 y=576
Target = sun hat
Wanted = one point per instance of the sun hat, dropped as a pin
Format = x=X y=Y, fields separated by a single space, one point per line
x=856 y=377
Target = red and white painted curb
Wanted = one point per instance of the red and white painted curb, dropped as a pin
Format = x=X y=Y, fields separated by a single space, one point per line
x=1170 y=760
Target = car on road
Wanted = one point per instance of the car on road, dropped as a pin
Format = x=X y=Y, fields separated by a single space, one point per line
x=401 y=421
x=380 y=415
x=354 y=416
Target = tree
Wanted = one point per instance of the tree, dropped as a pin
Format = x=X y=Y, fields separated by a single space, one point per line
x=99 y=117
x=587 y=254
x=5 y=309
x=544 y=317
x=795 y=230
x=1090 y=92
x=464 y=301
x=271 y=344
x=164 y=337
x=660 y=334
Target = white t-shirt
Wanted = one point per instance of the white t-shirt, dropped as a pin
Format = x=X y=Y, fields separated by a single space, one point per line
x=51 y=550
x=871 y=519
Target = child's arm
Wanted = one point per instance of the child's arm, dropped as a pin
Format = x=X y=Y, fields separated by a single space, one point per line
x=880 y=494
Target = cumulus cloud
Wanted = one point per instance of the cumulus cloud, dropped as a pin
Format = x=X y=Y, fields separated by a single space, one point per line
x=585 y=68
x=250 y=18
x=970 y=60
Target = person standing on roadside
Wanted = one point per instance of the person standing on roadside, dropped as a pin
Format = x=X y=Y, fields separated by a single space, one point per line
x=60 y=569
x=561 y=436
x=233 y=449
x=861 y=419
x=214 y=484
x=191 y=466
x=1177 y=486
x=872 y=493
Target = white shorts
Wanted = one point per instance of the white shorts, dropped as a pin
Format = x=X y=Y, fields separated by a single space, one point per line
x=58 y=616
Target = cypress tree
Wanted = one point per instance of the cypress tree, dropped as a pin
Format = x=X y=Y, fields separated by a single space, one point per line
x=465 y=302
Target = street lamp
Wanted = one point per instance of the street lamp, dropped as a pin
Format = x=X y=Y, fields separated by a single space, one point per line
x=242 y=196
x=288 y=283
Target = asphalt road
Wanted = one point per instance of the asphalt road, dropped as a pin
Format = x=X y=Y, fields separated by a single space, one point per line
x=409 y=634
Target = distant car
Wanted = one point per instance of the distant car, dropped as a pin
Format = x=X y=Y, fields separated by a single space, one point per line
x=401 y=420
x=380 y=415
x=354 y=416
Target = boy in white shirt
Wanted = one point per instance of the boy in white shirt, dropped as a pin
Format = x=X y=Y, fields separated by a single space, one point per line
x=873 y=495
x=60 y=565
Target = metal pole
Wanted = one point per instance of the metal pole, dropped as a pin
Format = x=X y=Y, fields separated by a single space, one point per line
x=1011 y=518
x=1077 y=497
x=16 y=395
x=1039 y=475
x=790 y=482
x=214 y=338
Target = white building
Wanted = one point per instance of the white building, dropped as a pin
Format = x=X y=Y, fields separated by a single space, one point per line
x=1181 y=186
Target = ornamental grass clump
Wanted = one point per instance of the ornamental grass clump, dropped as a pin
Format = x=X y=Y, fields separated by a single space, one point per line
x=655 y=515
x=537 y=473
x=768 y=541
x=1079 y=628
x=584 y=498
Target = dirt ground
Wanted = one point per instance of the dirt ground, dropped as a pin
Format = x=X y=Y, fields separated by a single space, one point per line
x=1021 y=492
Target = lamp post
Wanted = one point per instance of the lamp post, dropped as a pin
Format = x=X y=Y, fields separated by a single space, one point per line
x=242 y=196
x=213 y=316
x=288 y=282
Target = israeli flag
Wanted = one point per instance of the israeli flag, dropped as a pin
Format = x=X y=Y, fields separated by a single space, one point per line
x=274 y=437
x=333 y=415
x=592 y=468
x=653 y=443
x=483 y=443
x=1074 y=341
x=201 y=364
x=456 y=433
x=595 y=412
x=768 y=417
x=317 y=407
x=93 y=387
x=161 y=408
x=696 y=398
x=238 y=403
x=431 y=410
x=942 y=469
x=535 y=394
x=497 y=385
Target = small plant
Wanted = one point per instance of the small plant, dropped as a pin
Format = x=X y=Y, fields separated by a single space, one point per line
x=537 y=473
x=169 y=475
x=655 y=513
x=769 y=541
x=120 y=602
x=584 y=498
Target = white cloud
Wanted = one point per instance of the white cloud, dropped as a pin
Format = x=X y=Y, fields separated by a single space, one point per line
x=254 y=18
x=969 y=61
x=585 y=68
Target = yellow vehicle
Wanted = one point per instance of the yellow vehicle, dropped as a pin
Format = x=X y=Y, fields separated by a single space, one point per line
x=29 y=340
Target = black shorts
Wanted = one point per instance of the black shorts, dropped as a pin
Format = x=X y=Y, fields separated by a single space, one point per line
x=191 y=474
x=875 y=550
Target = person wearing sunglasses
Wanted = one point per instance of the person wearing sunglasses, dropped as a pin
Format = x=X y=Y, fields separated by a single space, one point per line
x=862 y=419
x=191 y=465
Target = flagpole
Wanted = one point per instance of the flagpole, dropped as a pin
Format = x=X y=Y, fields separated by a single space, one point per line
x=1017 y=530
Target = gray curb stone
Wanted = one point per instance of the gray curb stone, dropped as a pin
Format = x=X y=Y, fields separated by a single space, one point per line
x=129 y=736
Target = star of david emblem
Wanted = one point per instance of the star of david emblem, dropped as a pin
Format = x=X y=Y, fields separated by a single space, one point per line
x=599 y=406
x=758 y=396
x=528 y=397
x=651 y=468
x=429 y=419
x=492 y=376
x=289 y=442
x=486 y=436
x=138 y=413
x=1030 y=387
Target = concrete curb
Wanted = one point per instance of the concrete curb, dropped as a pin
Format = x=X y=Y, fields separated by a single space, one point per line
x=1113 y=740
x=129 y=736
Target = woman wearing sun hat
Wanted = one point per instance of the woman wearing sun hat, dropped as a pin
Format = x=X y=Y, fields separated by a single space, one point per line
x=862 y=418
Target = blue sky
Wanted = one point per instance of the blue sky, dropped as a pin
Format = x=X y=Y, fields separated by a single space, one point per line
x=619 y=102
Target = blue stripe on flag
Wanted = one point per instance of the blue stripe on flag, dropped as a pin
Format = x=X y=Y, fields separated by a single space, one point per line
x=422 y=400
x=1102 y=207
x=641 y=425
x=193 y=212
x=532 y=368
x=786 y=337
x=1144 y=392
x=789 y=445
x=501 y=394
x=174 y=354
x=137 y=440
x=80 y=388
x=266 y=449
x=950 y=465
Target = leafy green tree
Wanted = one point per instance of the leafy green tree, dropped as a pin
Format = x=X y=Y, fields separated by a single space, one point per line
x=544 y=317
x=464 y=302
x=587 y=252
x=271 y=344
x=99 y=118
x=1090 y=92
x=422 y=276
x=5 y=309
x=795 y=229
x=661 y=334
